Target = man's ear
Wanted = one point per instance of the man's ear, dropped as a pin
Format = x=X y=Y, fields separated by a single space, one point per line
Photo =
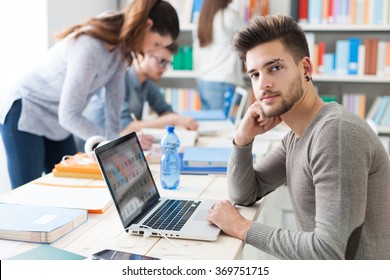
x=307 y=66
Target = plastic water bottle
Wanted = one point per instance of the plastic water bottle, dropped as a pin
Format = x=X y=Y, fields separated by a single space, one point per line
x=170 y=160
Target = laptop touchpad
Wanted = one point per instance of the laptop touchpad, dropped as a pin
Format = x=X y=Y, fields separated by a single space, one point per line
x=201 y=216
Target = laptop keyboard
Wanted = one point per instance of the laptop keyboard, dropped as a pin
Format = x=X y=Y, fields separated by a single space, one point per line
x=171 y=215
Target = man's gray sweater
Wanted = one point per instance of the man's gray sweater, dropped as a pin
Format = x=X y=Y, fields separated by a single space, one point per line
x=338 y=176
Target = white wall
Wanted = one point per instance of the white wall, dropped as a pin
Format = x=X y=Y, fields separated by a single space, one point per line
x=27 y=29
x=62 y=13
x=23 y=31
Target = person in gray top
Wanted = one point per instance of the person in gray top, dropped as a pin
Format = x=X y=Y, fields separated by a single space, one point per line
x=43 y=110
x=140 y=88
x=336 y=169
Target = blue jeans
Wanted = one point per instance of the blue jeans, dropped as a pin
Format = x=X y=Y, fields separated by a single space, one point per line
x=215 y=95
x=29 y=155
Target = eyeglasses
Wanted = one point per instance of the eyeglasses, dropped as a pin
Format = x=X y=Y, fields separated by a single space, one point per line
x=162 y=62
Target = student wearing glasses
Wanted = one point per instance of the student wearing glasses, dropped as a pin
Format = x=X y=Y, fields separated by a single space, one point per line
x=41 y=112
x=140 y=88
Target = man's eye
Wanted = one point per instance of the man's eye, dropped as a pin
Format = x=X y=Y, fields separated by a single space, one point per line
x=254 y=76
x=275 y=68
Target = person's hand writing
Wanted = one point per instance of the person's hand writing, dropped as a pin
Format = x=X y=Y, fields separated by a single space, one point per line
x=145 y=140
x=225 y=216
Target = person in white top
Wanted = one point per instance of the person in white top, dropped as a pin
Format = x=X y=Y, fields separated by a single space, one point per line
x=218 y=69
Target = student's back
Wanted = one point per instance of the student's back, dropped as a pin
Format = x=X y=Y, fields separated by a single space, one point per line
x=218 y=68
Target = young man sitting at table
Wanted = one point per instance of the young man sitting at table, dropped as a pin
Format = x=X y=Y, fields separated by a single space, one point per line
x=334 y=165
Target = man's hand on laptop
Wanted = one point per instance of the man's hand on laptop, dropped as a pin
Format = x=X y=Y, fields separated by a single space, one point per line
x=225 y=216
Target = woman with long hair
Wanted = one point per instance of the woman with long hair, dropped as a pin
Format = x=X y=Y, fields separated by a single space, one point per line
x=218 y=67
x=43 y=110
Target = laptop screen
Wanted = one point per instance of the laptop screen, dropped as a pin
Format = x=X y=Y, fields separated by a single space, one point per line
x=237 y=106
x=128 y=177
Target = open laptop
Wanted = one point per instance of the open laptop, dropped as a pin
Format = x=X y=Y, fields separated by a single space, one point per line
x=138 y=202
x=233 y=118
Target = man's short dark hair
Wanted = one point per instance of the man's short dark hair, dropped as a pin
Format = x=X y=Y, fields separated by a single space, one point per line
x=269 y=28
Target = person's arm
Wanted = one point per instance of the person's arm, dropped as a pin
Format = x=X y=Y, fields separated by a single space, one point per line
x=247 y=183
x=339 y=165
x=115 y=91
x=83 y=58
x=161 y=122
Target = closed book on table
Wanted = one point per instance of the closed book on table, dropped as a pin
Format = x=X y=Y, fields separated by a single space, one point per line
x=47 y=252
x=42 y=224
x=78 y=166
x=206 y=115
x=206 y=156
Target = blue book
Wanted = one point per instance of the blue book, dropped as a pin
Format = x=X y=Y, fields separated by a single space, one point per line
x=342 y=57
x=328 y=63
x=386 y=116
x=354 y=44
x=206 y=156
x=47 y=252
x=315 y=11
x=196 y=8
x=42 y=224
x=206 y=115
x=200 y=170
x=377 y=12
x=382 y=107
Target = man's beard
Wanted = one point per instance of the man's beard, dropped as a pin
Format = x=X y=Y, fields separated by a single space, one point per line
x=294 y=93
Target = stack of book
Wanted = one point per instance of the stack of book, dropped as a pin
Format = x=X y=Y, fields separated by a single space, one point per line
x=78 y=166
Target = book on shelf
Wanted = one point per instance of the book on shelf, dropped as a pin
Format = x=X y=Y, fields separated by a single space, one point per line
x=79 y=165
x=47 y=252
x=366 y=12
x=182 y=99
x=379 y=114
x=352 y=56
x=206 y=156
x=355 y=103
x=353 y=59
x=42 y=224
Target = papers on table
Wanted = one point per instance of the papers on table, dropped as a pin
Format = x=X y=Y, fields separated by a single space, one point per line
x=95 y=200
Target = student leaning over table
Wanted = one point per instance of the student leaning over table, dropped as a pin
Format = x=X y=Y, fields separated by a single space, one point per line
x=140 y=87
x=336 y=169
x=45 y=107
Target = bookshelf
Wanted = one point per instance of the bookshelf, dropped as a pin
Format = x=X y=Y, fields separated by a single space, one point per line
x=328 y=32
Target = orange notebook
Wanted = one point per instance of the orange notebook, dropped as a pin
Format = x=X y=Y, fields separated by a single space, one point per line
x=78 y=166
